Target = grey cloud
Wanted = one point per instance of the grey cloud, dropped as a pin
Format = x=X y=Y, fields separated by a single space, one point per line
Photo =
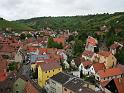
x=20 y=9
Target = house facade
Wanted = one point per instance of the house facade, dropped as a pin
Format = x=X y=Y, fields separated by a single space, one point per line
x=107 y=58
x=47 y=70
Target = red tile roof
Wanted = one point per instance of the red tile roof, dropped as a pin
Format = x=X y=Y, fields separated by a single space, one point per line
x=3 y=76
x=59 y=40
x=3 y=64
x=49 y=66
x=119 y=82
x=29 y=88
x=98 y=66
x=31 y=49
x=88 y=53
x=114 y=46
x=92 y=41
x=6 y=48
x=3 y=68
x=104 y=53
x=42 y=50
x=109 y=72
x=87 y=63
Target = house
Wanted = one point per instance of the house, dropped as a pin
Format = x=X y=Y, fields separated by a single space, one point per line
x=25 y=85
x=108 y=74
x=19 y=85
x=47 y=70
x=116 y=85
x=102 y=86
x=77 y=85
x=75 y=73
x=62 y=54
x=59 y=40
x=84 y=67
x=96 y=67
x=19 y=56
x=57 y=81
x=91 y=44
x=107 y=58
x=66 y=64
x=114 y=48
x=29 y=88
x=88 y=55
x=3 y=69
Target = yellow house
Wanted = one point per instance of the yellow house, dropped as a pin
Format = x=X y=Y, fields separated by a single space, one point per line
x=107 y=58
x=47 y=70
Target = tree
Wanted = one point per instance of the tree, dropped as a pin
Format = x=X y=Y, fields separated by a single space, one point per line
x=12 y=66
x=120 y=56
x=50 y=42
x=22 y=36
x=78 y=47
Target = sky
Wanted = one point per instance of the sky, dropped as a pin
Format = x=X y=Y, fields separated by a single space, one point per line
x=24 y=9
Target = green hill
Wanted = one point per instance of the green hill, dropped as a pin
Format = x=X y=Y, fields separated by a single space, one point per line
x=13 y=25
x=77 y=23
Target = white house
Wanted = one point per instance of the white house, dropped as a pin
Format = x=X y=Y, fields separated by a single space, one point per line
x=96 y=67
x=84 y=67
x=91 y=44
x=115 y=47
x=62 y=54
x=67 y=66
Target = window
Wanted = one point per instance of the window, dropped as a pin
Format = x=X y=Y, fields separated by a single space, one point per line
x=53 y=70
x=46 y=71
x=49 y=71
x=65 y=89
x=47 y=76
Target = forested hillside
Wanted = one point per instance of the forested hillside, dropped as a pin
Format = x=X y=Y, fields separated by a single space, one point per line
x=77 y=23
x=13 y=25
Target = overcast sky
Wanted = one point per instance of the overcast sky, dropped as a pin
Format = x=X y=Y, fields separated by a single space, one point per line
x=22 y=9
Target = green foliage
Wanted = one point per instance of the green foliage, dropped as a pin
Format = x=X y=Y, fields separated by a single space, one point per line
x=29 y=35
x=78 y=47
x=22 y=36
x=12 y=66
x=120 y=56
x=71 y=38
x=77 y=23
x=13 y=25
x=52 y=44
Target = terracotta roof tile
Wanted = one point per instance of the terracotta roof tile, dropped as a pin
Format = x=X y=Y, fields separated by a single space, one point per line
x=114 y=46
x=29 y=88
x=59 y=40
x=87 y=63
x=109 y=72
x=49 y=66
x=3 y=76
x=92 y=40
x=119 y=82
x=104 y=53
x=98 y=66
x=88 y=53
